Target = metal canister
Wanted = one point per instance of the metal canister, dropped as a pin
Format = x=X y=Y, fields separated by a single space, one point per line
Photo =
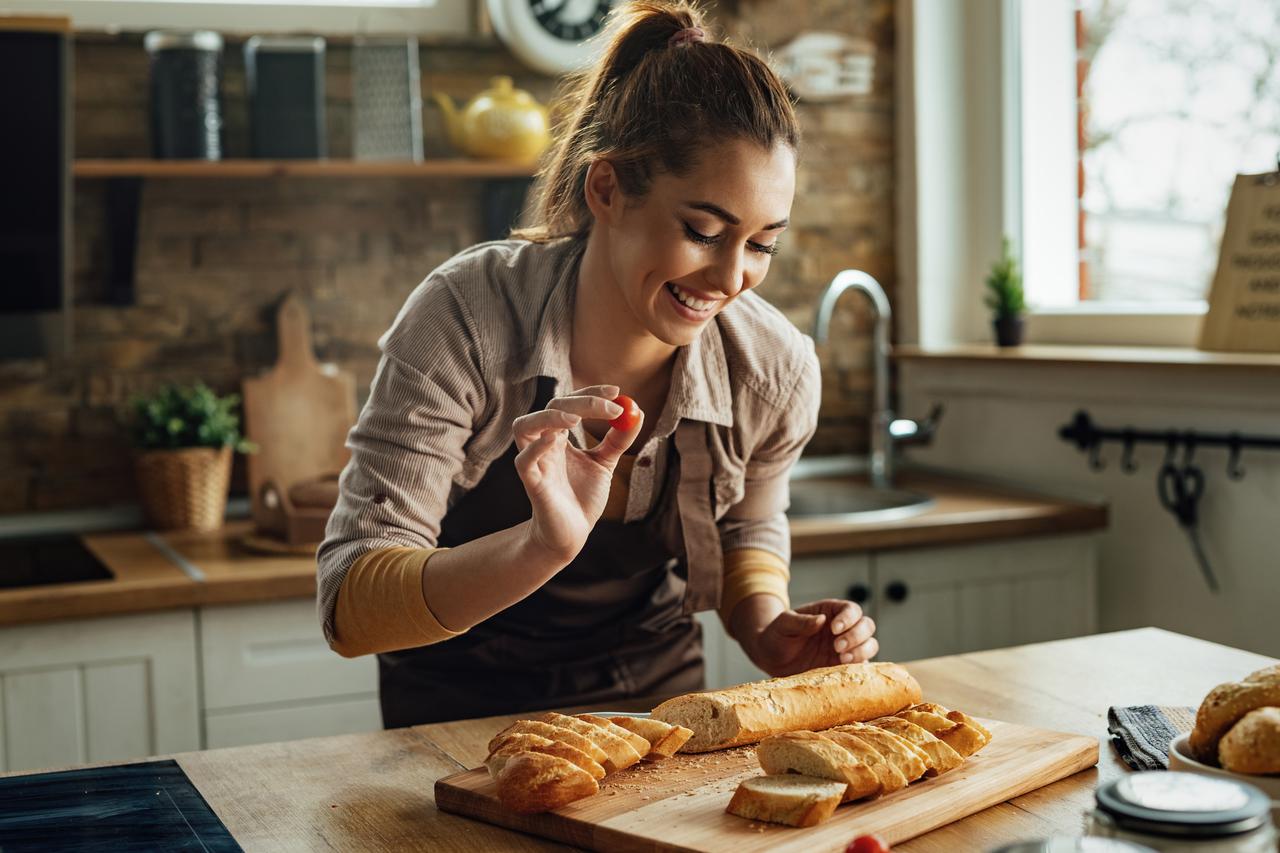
x=1184 y=813
x=186 y=74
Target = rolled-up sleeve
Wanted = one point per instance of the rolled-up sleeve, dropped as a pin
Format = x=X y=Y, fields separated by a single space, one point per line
x=759 y=519
x=409 y=442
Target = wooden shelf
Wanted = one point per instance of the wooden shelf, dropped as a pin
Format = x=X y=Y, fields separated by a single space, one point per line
x=452 y=168
x=1177 y=358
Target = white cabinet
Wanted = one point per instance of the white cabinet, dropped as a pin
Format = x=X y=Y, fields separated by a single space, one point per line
x=940 y=601
x=269 y=676
x=105 y=689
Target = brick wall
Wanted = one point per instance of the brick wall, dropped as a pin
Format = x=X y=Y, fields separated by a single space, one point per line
x=215 y=256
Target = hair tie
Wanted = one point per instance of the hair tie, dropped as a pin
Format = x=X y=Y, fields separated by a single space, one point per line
x=686 y=36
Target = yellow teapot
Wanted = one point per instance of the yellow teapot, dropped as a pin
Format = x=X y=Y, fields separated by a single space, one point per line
x=501 y=123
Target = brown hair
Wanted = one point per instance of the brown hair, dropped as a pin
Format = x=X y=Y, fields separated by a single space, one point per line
x=649 y=107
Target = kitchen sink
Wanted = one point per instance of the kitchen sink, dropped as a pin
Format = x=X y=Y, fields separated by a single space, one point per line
x=837 y=489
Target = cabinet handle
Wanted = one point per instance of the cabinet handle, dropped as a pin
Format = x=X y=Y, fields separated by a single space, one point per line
x=896 y=591
x=858 y=593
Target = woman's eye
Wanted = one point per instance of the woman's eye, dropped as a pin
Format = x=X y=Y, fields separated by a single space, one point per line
x=708 y=240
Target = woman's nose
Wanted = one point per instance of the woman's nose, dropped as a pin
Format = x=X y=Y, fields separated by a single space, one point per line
x=727 y=273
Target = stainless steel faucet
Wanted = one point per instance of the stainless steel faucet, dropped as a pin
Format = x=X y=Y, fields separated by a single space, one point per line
x=885 y=429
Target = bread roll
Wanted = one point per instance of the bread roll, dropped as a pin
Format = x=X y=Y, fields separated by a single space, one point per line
x=813 y=700
x=534 y=782
x=791 y=799
x=811 y=754
x=1253 y=744
x=664 y=739
x=1225 y=705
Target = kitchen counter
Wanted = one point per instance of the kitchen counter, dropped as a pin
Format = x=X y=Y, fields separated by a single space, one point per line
x=227 y=572
x=375 y=791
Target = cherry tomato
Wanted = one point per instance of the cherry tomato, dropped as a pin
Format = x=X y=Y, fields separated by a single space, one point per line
x=630 y=414
x=867 y=844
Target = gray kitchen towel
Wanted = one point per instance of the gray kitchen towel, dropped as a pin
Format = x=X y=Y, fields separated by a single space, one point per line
x=1141 y=733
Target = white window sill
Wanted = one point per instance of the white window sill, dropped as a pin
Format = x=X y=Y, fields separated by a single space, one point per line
x=1173 y=358
x=1175 y=324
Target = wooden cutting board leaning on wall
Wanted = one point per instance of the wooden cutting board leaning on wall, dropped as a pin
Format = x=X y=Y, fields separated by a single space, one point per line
x=299 y=413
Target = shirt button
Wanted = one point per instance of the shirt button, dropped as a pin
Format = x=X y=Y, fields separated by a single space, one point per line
x=379 y=499
x=644 y=461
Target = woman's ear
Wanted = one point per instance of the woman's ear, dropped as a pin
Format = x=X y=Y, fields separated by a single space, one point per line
x=603 y=195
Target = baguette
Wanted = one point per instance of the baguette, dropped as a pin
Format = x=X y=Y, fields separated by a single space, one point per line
x=813 y=700
x=619 y=754
x=811 y=754
x=514 y=744
x=955 y=716
x=910 y=759
x=556 y=733
x=961 y=737
x=664 y=739
x=888 y=777
x=639 y=744
x=941 y=757
x=532 y=782
x=791 y=799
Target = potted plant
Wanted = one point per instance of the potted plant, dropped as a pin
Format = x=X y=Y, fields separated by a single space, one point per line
x=1005 y=298
x=184 y=438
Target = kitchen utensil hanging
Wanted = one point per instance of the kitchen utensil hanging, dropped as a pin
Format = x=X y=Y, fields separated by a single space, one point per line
x=1180 y=486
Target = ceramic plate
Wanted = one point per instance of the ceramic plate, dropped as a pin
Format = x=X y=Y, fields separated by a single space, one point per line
x=1180 y=759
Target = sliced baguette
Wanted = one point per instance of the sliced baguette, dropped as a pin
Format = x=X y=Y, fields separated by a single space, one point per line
x=813 y=700
x=619 y=754
x=941 y=757
x=791 y=799
x=963 y=738
x=888 y=778
x=514 y=744
x=556 y=733
x=638 y=743
x=910 y=759
x=955 y=716
x=535 y=782
x=664 y=739
x=811 y=754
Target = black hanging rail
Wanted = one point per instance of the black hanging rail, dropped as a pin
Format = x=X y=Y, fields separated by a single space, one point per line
x=1088 y=436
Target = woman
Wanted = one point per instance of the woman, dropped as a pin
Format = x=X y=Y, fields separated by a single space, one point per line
x=500 y=545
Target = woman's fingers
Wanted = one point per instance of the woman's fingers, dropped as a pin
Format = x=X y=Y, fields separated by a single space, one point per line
x=862 y=653
x=526 y=461
x=587 y=406
x=615 y=443
x=848 y=642
x=530 y=427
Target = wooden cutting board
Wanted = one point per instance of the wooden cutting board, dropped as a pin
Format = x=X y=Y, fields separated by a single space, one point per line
x=298 y=412
x=679 y=804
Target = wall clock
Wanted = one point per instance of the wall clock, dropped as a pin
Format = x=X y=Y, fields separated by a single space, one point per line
x=551 y=36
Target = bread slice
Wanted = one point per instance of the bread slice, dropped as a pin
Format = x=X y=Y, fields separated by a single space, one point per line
x=813 y=700
x=664 y=739
x=556 y=733
x=910 y=759
x=619 y=754
x=811 y=754
x=638 y=743
x=791 y=799
x=940 y=757
x=1253 y=744
x=888 y=778
x=961 y=737
x=956 y=716
x=514 y=744
x=535 y=782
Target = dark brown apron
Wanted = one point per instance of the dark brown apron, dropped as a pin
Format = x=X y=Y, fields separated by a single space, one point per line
x=614 y=623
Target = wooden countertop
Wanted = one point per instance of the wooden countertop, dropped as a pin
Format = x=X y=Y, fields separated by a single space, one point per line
x=375 y=791
x=146 y=579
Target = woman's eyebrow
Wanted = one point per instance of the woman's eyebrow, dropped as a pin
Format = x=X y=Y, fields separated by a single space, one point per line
x=717 y=210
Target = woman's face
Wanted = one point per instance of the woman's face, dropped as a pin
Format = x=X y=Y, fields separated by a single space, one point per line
x=693 y=244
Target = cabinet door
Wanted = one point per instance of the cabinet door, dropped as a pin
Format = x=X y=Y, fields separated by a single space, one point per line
x=942 y=601
x=106 y=689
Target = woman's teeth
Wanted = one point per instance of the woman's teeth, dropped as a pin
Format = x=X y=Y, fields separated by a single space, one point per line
x=685 y=299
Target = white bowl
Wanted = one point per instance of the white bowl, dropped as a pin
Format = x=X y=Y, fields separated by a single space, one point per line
x=1180 y=759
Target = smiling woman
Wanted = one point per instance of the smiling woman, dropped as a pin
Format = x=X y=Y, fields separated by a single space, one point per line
x=505 y=539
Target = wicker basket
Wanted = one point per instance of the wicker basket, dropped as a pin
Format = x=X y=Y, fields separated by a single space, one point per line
x=184 y=489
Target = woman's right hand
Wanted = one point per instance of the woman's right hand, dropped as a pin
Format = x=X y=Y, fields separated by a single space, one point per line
x=568 y=487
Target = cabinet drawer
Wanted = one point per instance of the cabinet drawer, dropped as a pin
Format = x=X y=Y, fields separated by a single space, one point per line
x=262 y=653
x=268 y=725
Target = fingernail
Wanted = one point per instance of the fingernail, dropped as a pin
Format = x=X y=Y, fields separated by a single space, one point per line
x=840 y=645
x=575 y=419
x=837 y=628
x=612 y=390
x=846 y=658
x=613 y=409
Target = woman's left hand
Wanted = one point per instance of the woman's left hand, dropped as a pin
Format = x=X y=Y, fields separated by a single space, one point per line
x=822 y=633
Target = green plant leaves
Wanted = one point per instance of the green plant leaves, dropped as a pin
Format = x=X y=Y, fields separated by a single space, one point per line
x=1005 y=296
x=188 y=416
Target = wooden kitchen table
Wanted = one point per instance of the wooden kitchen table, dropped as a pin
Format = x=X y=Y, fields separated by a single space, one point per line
x=374 y=792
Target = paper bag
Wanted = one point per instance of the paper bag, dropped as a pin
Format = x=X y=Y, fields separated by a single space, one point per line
x=1244 y=302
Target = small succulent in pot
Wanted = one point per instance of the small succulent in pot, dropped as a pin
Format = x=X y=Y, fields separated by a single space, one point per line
x=1006 y=298
x=185 y=437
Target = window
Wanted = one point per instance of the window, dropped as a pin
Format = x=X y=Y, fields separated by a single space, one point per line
x=1170 y=100
x=437 y=17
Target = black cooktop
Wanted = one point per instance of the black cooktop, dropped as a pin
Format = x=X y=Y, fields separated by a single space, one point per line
x=48 y=559
x=150 y=806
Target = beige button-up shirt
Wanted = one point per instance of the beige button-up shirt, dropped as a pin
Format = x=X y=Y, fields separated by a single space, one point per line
x=461 y=362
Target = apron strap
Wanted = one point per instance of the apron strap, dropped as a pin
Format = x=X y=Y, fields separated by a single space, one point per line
x=701 y=536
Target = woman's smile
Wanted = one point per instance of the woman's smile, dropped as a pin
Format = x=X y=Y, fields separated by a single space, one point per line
x=691 y=305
